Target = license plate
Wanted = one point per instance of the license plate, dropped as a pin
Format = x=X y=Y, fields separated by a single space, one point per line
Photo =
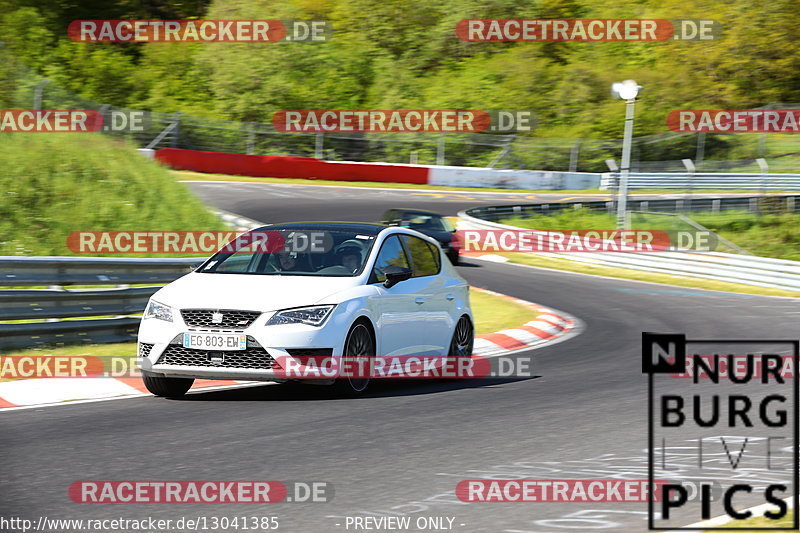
x=215 y=341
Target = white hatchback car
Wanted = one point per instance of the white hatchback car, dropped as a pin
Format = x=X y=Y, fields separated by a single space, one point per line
x=364 y=289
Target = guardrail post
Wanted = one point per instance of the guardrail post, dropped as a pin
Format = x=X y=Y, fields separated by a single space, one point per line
x=574 y=153
x=176 y=130
x=715 y=205
x=790 y=204
x=251 y=139
x=701 y=147
x=319 y=145
x=37 y=94
x=762 y=164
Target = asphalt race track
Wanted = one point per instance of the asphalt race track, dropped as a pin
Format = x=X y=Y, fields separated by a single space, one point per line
x=401 y=449
x=275 y=202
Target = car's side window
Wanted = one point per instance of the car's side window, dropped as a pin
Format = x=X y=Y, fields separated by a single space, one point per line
x=423 y=259
x=391 y=258
x=437 y=256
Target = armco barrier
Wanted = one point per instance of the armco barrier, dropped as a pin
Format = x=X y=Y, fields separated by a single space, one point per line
x=59 y=303
x=733 y=268
x=706 y=180
x=55 y=303
x=30 y=271
x=772 y=203
x=100 y=330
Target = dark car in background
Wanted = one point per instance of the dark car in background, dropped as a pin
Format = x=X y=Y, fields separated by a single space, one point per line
x=431 y=224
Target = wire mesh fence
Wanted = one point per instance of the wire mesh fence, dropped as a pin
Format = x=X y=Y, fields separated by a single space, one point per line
x=661 y=152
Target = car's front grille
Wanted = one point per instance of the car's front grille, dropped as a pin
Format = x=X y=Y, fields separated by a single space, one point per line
x=255 y=356
x=227 y=319
x=144 y=349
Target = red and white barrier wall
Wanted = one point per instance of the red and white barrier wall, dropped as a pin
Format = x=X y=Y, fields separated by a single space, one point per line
x=310 y=168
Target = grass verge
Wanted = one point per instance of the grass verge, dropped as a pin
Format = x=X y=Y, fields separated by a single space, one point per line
x=651 y=277
x=117 y=349
x=123 y=352
x=769 y=235
x=761 y=522
x=495 y=313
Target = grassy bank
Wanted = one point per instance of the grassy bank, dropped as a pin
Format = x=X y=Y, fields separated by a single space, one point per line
x=56 y=183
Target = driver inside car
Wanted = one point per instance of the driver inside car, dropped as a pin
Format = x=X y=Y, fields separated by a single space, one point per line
x=287 y=262
x=349 y=255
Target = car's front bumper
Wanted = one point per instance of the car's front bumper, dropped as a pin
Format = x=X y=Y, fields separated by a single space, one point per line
x=161 y=351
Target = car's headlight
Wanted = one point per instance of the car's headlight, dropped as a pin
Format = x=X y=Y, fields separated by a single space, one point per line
x=313 y=316
x=159 y=311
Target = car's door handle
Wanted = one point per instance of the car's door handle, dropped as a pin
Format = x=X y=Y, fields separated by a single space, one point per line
x=451 y=297
x=419 y=301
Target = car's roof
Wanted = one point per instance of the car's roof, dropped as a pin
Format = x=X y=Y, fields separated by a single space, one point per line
x=354 y=227
x=416 y=211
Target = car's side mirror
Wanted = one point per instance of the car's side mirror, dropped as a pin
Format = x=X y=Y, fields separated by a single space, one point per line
x=393 y=278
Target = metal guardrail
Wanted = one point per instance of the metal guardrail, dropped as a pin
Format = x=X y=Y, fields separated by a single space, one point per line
x=56 y=303
x=733 y=268
x=788 y=203
x=706 y=180
x=49 y=303
x=55 y=270
x=100 y=330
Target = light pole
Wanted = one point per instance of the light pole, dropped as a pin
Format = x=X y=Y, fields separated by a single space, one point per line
x=626 y=90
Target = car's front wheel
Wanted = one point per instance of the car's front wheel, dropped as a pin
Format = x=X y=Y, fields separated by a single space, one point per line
x=167 y=387
x=359 y=343
x=463 y=338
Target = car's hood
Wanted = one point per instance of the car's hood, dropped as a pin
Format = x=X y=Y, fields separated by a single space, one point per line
x=249 y=291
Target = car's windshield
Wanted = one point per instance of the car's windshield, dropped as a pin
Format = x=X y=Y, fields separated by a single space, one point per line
x=425 y=222
x=299 y=252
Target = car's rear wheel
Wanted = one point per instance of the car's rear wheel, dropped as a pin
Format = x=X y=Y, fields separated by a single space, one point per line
x=167 y=387
x=463 y=338
x=359 y=343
